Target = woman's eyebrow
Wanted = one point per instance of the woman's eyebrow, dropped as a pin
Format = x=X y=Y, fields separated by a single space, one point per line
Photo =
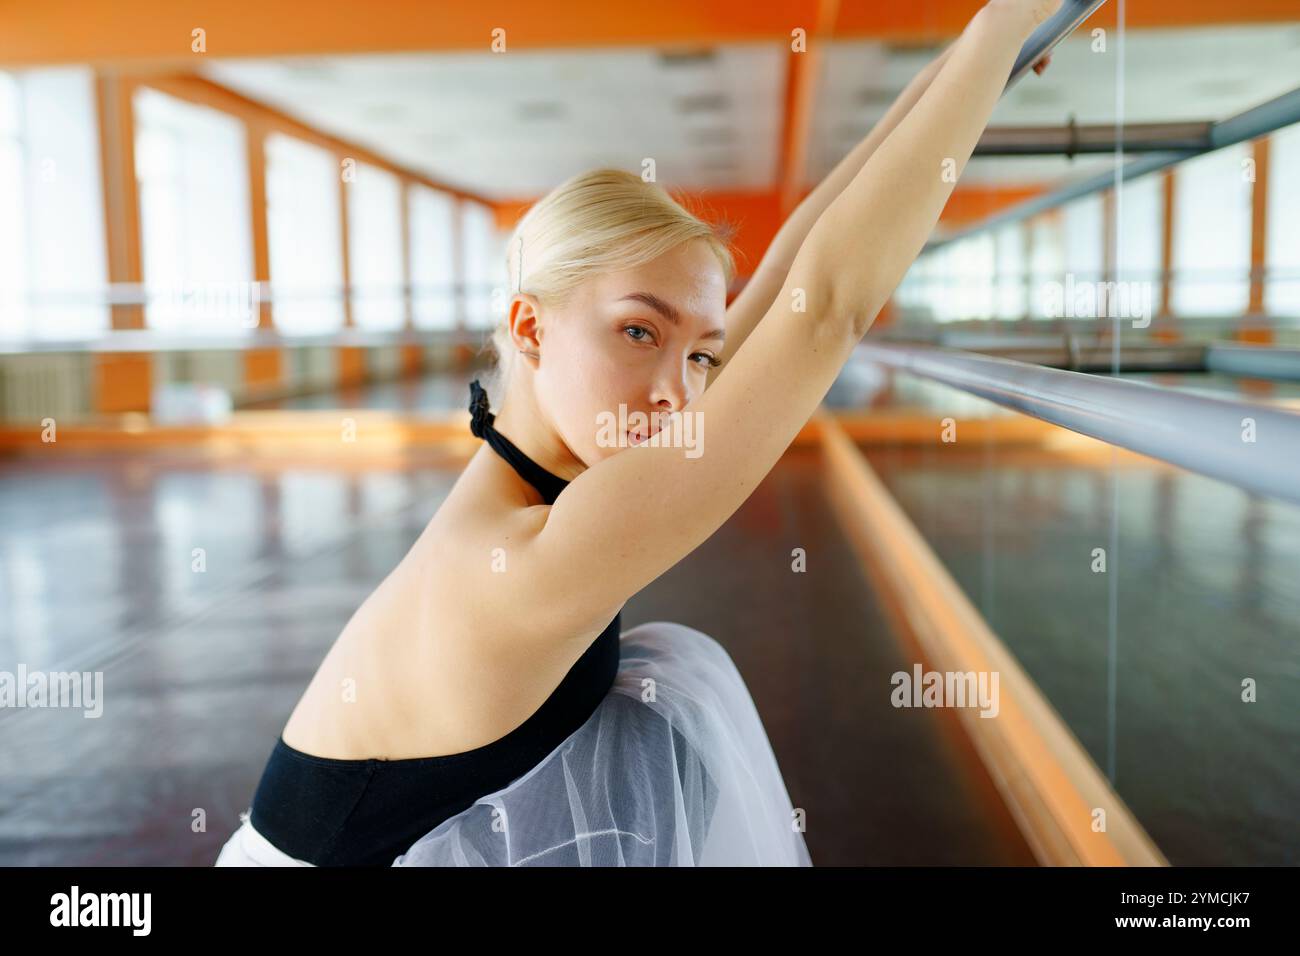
x=668 y=312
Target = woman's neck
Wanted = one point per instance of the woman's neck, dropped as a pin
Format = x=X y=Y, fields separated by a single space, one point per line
x=520 y=419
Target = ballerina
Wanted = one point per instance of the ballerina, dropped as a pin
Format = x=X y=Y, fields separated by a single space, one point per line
x=484 y=706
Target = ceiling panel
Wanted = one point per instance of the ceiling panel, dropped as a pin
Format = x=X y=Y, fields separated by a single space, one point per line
x=513 y=125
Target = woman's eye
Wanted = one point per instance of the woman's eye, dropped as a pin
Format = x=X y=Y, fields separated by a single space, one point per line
x=709 y=360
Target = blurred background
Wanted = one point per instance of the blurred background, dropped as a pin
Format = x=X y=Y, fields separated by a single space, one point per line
x=250 y=254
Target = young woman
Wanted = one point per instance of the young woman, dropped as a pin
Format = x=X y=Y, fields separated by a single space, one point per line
x=483 y=706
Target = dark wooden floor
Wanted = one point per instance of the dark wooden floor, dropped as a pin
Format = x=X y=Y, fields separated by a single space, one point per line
x=202 y=669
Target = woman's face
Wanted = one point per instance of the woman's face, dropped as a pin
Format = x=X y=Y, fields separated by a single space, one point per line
x=643 y=338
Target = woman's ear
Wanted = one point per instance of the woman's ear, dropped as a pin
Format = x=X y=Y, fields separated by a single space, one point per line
x=524 y=322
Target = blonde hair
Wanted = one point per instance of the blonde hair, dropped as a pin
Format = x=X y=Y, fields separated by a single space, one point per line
x=604 y=220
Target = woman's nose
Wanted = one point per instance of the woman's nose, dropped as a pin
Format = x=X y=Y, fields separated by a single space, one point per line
x=670 y=393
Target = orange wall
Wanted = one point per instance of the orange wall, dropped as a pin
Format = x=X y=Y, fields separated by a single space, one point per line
x=756 y=216
x=263 y=368
x=970 y=205
x=122 y=382
x=159 y=31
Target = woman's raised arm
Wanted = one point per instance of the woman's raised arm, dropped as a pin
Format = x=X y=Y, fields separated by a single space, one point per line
x=630 y=517
x=879 y=223
x=756 y=297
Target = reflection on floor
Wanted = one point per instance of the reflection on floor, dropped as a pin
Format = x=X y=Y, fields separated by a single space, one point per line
x=431 y=395
x=97 y=572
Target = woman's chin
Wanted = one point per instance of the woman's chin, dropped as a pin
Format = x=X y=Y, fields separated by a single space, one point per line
x=602 y=451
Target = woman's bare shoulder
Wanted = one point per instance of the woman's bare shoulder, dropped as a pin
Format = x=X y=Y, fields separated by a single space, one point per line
x=479 y=533
x=462 y=603
x=478 y=550
x=440 y=616
x=483 y=508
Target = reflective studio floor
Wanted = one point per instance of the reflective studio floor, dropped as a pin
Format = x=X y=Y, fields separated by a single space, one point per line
x=202 y=670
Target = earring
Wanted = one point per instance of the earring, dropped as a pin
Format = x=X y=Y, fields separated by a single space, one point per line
x=529 y=354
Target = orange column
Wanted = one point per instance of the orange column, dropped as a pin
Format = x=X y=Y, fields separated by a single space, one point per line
x=122 y=380
x=802 y=69
x=350 y=358
x=1258 y=252
x=262 y=366
x=1164 y=328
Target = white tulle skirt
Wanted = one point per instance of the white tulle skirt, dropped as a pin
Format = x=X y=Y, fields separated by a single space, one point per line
x=674 y=768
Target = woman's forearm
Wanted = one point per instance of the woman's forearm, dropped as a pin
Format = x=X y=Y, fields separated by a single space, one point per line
x=790 y=236
x=862 y=245
x=769 y=276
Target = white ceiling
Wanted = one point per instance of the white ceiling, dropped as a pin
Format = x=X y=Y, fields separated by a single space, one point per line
x=511 y=126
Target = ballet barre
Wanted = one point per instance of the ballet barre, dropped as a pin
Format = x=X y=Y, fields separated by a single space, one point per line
x=1051 y=32
x=1254 y=447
